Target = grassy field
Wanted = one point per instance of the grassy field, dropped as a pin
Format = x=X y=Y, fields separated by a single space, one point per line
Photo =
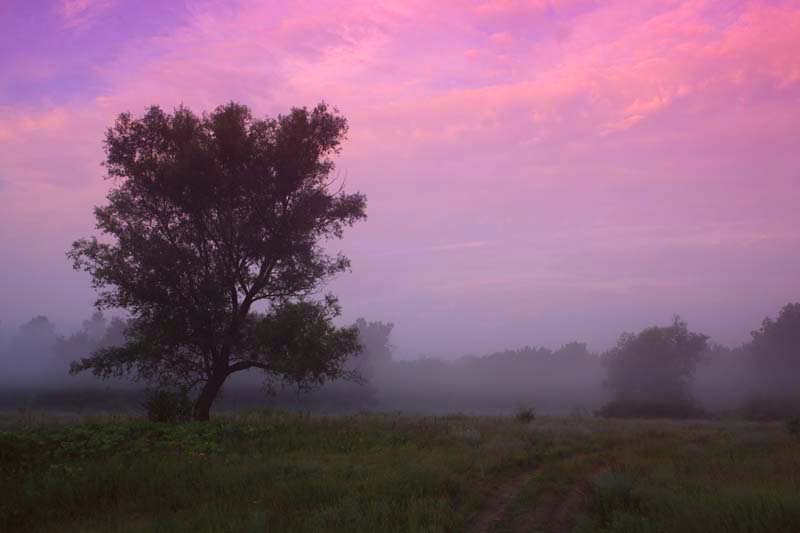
x=289 y=472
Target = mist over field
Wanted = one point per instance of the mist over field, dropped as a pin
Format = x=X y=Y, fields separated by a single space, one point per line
x=568 y=380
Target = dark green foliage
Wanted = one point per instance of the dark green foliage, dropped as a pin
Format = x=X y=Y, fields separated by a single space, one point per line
x=168 y=405
x=303 y=344
x=208 y=216
x=97 y=333
x=769 y=407
x=651 y=371
x=525 y=415
x=698 y=477
x=352 y=394
x=12 y=453
x=613 y=493
x=776 y=352
x=278 y=471
x=793 y=426
x=648 y=409
x=625 y=503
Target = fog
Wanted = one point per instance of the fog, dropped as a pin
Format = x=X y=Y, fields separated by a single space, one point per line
x=565 y=380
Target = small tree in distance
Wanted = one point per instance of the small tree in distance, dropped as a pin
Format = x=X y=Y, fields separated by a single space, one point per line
x=776 y=352
x=377 y=347
x=774 y=367
x=208 y=216
x=649 y=373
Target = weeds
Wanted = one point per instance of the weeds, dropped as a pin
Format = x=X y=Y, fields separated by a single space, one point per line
x=290 y=472
x=793 y=426
x=525 y=415
x=166 y=405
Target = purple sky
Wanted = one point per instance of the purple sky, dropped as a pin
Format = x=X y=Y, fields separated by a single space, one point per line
x=537 y=171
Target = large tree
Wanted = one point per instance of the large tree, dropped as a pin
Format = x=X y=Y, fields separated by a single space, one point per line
x=207 y=217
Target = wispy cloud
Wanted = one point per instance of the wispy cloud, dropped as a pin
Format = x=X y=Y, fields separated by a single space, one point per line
x=449 y=247
x=80 y=14
x=557 y=146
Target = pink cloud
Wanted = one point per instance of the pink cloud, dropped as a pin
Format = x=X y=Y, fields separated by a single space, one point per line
x=21 y=123
x=517 y=8
x=537 y=149
x=78 y=14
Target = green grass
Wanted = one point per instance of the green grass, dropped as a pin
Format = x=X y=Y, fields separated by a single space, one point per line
x=242 y=473
x=291 y=472
x=732 y=477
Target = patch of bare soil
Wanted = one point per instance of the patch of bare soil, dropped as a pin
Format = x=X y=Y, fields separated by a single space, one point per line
x=558 y=513
x=498 y=506
x=575 y=501
x=553 y=513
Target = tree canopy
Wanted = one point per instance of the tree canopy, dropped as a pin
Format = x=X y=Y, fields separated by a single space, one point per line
x=654 y=366
x=209 y=216
x=776 y=351
x=375 y=341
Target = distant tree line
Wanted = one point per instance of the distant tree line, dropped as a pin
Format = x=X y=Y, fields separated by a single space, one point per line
x=662 y=371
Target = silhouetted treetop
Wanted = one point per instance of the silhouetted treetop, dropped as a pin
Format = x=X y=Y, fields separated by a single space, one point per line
x=207 y=216
x=654 y=366
x=776 y=350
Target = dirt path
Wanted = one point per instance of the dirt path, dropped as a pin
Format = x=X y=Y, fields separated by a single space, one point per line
x=553 y=513
x=498 y=506
x=562 y=519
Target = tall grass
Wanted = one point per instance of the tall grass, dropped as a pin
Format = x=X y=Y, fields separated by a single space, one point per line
x=274 y=471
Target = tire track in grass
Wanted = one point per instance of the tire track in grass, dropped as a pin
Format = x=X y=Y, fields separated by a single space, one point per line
x=553 y=513
x=499 y=504
x=560 y=514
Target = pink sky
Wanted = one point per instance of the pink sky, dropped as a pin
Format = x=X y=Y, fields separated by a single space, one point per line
x=537 y=171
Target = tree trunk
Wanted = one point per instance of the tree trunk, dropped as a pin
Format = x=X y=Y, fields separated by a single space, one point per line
x=202 y=406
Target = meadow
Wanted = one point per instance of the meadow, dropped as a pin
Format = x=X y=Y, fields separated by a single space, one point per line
x=281 y=471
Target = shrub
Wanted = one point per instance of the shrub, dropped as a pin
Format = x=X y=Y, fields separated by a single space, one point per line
x=166 y=405
x=579 y=411
x=13 y=449
x=627 y=409
x=470 y=435
x=770 y=407
x=525 y=415
x=613 y=494
x=793 y=426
